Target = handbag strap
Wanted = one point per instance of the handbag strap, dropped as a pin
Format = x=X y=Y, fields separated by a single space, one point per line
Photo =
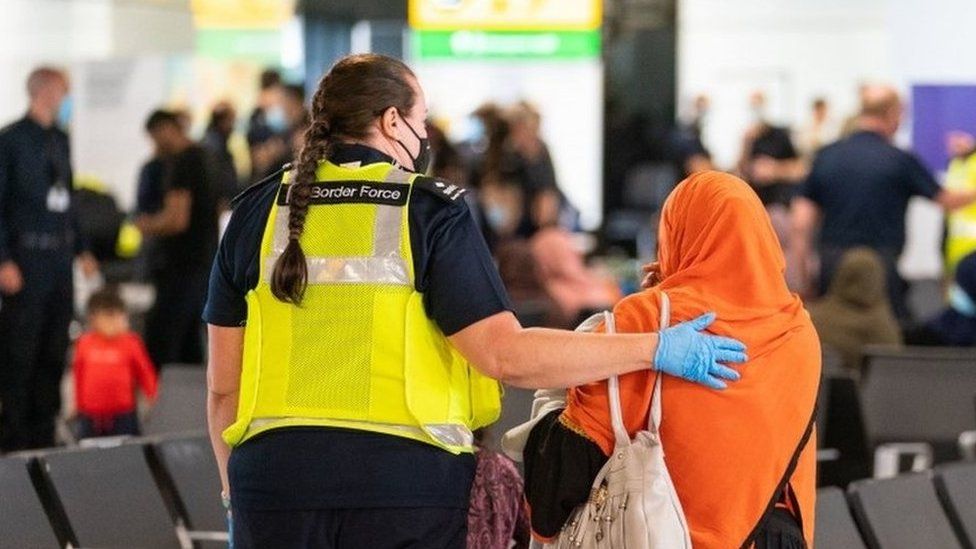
x=654 y=418
x=621 y=437
x=613 y=389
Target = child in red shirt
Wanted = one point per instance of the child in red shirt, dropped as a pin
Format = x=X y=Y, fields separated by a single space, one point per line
x=109 y=361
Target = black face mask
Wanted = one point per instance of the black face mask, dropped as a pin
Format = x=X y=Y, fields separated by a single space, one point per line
x=422 y=161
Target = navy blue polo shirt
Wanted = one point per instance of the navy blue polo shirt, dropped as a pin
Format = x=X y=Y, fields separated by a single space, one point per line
x=317 y=468
x=33 y=160
x=863 y=184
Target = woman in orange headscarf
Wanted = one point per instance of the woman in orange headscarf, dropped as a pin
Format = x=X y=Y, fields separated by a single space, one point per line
x=742 y=459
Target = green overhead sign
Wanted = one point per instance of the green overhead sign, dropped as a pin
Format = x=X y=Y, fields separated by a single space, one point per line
x=480 y=44
x=259 y=45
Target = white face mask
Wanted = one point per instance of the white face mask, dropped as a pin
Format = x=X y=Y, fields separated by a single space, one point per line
x=497 y=216
x=276 y=119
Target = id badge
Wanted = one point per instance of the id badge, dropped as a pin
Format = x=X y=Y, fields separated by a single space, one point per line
x=58 y=199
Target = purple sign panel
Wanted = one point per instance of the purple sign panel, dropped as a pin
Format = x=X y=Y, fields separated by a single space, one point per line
x=936 y=111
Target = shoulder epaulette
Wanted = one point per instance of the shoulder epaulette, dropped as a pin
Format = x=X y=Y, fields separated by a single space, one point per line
x=444 y=190
x=262 y=184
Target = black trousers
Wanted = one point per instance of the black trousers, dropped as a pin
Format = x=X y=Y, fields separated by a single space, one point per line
x=174 y=330
x=33 y=351
x=394 y=528
x=108 y=426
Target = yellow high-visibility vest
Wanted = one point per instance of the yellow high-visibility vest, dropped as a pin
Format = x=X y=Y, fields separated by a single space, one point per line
x=360 y=351
x=961 y=235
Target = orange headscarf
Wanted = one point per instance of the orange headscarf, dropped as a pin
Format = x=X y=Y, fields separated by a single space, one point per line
x=727 y=451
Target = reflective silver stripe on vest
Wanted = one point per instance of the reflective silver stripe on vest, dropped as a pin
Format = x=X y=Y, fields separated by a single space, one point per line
x=385 y=266
x=450 y=434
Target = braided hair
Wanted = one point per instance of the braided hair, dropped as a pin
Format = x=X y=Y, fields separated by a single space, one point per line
x=345 y=107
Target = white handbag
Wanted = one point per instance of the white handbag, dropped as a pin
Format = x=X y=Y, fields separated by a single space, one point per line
x=633 y=503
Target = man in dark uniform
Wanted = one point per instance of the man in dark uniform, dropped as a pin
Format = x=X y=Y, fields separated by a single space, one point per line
x=38 y=242
x=184 y=230
x=858 y=192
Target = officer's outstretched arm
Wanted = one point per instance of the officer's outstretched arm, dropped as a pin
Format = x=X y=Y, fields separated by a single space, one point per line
x=501 y=348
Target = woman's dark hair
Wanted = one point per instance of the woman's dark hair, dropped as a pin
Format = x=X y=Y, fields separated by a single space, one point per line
x=357 y=90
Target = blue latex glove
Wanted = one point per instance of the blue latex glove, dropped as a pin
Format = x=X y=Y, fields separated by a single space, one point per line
x=682 y=351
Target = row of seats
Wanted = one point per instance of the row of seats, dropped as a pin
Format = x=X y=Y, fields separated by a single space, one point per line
x=917 y=401
x=147 y=493
x=934 y=509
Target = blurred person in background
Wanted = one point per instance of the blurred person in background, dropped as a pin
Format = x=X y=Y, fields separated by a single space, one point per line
x=769 y=161
x=955 y=326
x=185 y=230
x=961 y=177
x=687 y=148
x=268 y=115
x=533 y=164
x=446 y=164
x=267 y=127
x=857 y=192
x=296 y=116
x=110 y=363
x=576 y=289
x=39 y=240
x=503 y=203
x=818 y=131
x=851 y=123
x=216 y=140
x=149 y=186
x=149 y=200
x=485 y=148
x=855 y=312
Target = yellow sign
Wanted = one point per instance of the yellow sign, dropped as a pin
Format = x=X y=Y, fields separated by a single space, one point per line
x=506 y=14
x=241 y=14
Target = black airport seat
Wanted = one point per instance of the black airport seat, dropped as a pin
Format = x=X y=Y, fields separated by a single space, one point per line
x=835 y=527
x=23 y=521
x=902 y=513
x=110 y=498
x=190 y=465
x=956 y=486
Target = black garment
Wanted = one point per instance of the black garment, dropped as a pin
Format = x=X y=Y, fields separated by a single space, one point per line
x=780 y=531
x=685 y=143
x=862 y=185
x=149 y=200
x=33 y=350
x=258 y=129
x=353 y=469
x=181 y=264
x=299 y=468
x=33 y=161
x=190 y=171
x=774 y=142
x=560 y=466
x=391 y=528
x=225 y=171
x=174 y=331
x=948 y=329
x=149 y=193
x=115 y=425
x=34 y=323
